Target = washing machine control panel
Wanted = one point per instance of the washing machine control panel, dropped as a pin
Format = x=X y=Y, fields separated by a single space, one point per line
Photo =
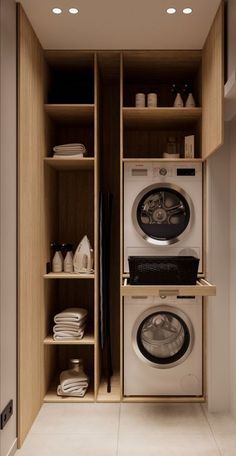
x=163 y=171
x=155 y=171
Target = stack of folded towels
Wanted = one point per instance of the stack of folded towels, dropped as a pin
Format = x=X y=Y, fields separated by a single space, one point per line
x=69 y=150
x=70 y=324
x=73 y=382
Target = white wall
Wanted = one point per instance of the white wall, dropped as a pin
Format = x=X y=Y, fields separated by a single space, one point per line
x=8 y=219
x=218 y=254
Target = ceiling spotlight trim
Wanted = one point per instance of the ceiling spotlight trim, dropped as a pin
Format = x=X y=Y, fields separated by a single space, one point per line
x=56 y=10
x=171 y=10
x=187 y=10
x=73 y=10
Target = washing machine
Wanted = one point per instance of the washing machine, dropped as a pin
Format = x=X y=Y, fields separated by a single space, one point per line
x=162 y=346
x=162 y=209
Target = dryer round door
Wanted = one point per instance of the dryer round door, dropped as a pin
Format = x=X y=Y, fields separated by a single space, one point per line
x=162 y=337
x=162 y=213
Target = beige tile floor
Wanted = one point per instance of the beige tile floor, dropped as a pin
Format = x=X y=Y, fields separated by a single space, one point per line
x=130 y=429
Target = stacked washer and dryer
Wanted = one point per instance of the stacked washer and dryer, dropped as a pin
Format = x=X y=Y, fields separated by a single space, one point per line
x=163 y=335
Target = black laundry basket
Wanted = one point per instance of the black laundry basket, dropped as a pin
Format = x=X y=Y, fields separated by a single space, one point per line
x=163 y=270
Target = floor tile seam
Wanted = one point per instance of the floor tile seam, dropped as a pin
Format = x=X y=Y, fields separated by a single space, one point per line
x=118 y=433
x=73 y=433
x=211 y=429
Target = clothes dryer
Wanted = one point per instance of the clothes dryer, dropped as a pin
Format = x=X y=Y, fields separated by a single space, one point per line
x=162 y=209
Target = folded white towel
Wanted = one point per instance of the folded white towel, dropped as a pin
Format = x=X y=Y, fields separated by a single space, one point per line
x=66 y=155
x=71 y=315
x=69 y=326
x=79 y=392
x=69 y=147
x=60 y=335
x=71 y=376
x=73 y=383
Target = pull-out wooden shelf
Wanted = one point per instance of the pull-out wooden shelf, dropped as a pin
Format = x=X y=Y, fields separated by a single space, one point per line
x=202 y=288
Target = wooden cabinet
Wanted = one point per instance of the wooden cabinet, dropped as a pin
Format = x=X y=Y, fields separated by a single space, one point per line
x=213 y=87
x=87 y=96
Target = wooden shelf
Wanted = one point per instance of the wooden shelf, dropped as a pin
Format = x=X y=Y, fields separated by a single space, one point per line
x=66 y=113
x=160 y=117
x=70 y=163
x=202 y=288
x=163 y=160
x=115 y=394
x=88 y=339
x=65 y=275
x=52 y=396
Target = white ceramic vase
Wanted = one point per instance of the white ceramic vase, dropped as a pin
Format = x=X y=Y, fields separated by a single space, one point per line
x=190 y=103
x=178 y=103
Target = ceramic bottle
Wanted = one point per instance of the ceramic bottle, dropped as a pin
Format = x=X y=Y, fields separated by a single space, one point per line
x=190 y=102
x=57 y=261
x=178 y=103
x=68 y=259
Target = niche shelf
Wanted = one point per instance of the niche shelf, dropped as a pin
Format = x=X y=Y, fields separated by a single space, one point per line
x=67 y=275
x=52 y=396
x=70 y=163
x=88 y=339
x=114 y=395
x=81 y=113
x=160 y=117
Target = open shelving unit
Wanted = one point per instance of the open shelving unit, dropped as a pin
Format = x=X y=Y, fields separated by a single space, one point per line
x=88 y=97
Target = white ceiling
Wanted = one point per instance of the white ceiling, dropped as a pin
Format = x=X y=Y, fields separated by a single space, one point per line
x=121 y=24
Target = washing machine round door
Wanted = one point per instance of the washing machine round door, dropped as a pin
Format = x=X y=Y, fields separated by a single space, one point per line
x=163 y=337
x=162 y=213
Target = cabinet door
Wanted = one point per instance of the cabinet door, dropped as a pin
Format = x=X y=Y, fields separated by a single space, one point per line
x=212 y=87
x=31 y=150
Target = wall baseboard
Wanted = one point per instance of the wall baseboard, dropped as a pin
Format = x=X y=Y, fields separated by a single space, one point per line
x=13 y=449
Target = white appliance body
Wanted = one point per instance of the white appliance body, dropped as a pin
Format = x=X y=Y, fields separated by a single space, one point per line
x=179 y=373
x=182 y=206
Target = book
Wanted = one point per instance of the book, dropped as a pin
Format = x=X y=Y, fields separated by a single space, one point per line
x=189 y=146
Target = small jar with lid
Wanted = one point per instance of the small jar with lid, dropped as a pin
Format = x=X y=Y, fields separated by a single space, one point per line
x=171 y=148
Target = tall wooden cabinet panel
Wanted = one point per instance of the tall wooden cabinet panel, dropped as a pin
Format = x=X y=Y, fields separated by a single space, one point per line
x=32 y=238
x=213 y=86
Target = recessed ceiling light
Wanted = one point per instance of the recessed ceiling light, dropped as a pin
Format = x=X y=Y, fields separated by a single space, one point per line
x=171 y=10
x=187 y=10
x=57 y=10
x=73 y=10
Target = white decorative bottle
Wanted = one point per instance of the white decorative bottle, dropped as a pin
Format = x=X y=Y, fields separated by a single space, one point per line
x=190 y=102
x=178 y=103
x=68 y=260
x=57 y=261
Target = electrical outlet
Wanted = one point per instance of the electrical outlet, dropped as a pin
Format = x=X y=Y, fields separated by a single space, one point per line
x=6 y=414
